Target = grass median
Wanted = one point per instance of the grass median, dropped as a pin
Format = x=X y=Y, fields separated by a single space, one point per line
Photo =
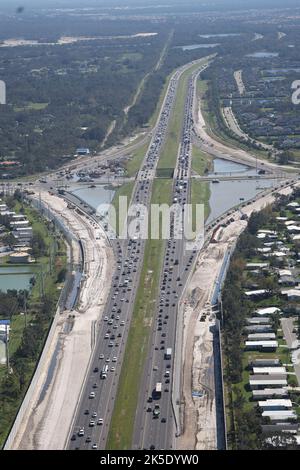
x=202 y=163
x=168 y=156
x=122 y=424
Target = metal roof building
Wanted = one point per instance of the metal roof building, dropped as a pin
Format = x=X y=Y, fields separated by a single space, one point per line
x=270 y=370
x=261 y=336
x=261 y=345
x=259 y=321
x=275 y=404
x=267 y=381
x=259 y=328
x=280 y=415
x=269 y=393
x=264 y=362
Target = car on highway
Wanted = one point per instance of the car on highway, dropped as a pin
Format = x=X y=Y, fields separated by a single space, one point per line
x=92 y=395
x=81 y=432
x=156 y=411
x=100 y=421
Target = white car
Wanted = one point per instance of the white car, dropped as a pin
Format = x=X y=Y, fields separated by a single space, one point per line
x=94 y=446
x=105 y=318
x=112 y=369
x=108 y=359
x=92 y=395
x=100 y=421
x=101 y=356
x=114 y=359
x=122 y=323
x=106 y=336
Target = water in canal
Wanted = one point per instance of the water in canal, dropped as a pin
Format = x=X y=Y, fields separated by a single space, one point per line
x=227 y=194
x=94 y=197
x=15 y=277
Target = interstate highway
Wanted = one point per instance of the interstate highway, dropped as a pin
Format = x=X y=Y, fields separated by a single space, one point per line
x=151 y=432
x=129 y=252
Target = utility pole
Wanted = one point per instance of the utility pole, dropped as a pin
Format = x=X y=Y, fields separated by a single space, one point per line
x=6 y=347
x=25 y=308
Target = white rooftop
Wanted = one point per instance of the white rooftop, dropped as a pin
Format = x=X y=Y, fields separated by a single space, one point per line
x=256 y=292
x=269 y=370
x=280 y=415
x=267 y=311
x=284 y=402
x=263 y=344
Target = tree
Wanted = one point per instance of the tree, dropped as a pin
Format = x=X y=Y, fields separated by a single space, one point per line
x=61 y=276
x=38 y=245
x=10 y=386
x=9 y=240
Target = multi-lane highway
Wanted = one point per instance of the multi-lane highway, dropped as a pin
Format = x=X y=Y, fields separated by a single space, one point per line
x=92 y=420
x=155 y=426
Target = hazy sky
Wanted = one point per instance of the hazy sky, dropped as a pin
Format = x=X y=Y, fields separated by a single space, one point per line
x=213 y=4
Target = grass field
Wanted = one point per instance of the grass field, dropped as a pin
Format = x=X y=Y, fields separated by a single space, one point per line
x=122 y=424
x=31 y=107
x=200 y=194
x=124 y=190
x=202 y=163
x=133 y=165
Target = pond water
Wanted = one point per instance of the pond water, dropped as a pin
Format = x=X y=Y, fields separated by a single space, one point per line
x=94 y=196
x=227 y=194
x=224 y=35
x=221 y=167
x=16 y=277
x=196 y=46
x=283 y=70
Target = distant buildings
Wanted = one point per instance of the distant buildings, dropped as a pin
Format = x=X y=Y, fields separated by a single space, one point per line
x=82 y=151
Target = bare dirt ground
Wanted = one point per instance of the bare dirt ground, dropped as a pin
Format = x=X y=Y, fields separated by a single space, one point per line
x=239 y=82
x=47 y=422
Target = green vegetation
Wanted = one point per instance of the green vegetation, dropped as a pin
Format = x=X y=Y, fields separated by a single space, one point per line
x=202 y=163
x=170 y=151
x=137 y=156
x=200 y=194
x=28 y=333
x=31 y=106
x=122 y=423
x=215 y=124
x=126 y=191
x=242 y=414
